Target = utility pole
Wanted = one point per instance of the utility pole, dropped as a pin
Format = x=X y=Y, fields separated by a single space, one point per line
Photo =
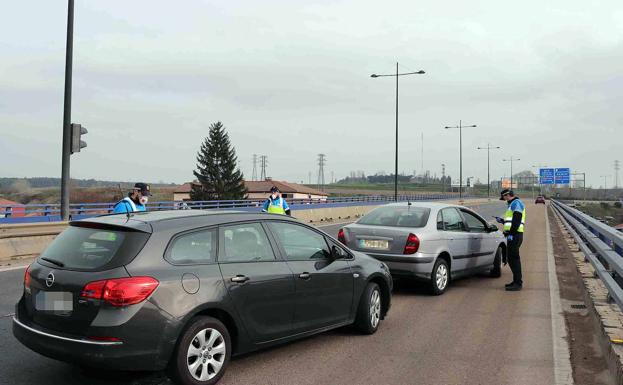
x=489 y=148
x=422 y=153
x=460 y=127
x=443 y=177
x=254 y=174
x=605 y=182
x=263 y=164
x=321 y=163
x=617 y=167
x=66 y=153
x=511 y=160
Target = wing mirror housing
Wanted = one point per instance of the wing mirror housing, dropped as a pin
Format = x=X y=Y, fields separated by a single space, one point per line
x=492 y=228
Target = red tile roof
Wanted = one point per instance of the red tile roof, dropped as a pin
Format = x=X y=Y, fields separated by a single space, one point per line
x=8 y=202
x=264 y=187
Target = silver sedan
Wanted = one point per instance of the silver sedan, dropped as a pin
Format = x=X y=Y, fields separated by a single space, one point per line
x=435 y=242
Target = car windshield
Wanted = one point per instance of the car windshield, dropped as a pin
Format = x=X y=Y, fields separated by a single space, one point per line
x=408 y=216
x=87 y=248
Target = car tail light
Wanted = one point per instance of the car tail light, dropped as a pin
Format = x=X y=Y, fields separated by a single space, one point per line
x=413 y=244
x=341 y=237
x=121 y=291
x=27 y=279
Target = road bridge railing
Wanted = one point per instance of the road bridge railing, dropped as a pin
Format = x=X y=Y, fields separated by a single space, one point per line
x=32 y=213
x=601 y=245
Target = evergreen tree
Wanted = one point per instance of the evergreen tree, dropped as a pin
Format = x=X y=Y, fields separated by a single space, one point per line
x=217 y=171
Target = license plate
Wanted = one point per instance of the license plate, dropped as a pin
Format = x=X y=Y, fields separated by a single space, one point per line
x=374 y=244
x=54 y=301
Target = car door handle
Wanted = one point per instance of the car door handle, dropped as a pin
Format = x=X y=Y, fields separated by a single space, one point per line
x=240 y=279
x=305 y=276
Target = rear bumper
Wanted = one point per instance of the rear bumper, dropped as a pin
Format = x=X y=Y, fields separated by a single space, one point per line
x=90 y=353
x=415 y=266
x=127 y=354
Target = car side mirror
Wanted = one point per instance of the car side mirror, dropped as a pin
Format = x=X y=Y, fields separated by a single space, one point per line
x=492 y=228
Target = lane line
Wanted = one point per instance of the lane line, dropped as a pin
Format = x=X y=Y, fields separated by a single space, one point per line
x=9 y=268
x=562 y=362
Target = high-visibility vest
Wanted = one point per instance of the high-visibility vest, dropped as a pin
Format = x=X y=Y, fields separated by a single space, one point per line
x=276 y=207
x=508 y=219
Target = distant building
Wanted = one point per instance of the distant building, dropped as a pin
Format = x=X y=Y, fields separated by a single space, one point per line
x=18 y=209
x=261 y=190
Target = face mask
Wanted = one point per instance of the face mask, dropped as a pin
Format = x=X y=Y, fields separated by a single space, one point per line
x=144 y=200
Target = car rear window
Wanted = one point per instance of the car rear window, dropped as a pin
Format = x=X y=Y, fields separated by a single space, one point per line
x=89 y=248
x=409 y=216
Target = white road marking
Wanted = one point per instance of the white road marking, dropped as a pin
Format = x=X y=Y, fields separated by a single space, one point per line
x=9 y=268
x=562 y=363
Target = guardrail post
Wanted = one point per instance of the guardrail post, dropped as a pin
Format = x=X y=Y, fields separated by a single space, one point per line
x=46 y=211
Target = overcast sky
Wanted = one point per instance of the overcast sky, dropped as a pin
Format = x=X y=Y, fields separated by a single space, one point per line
x=291 y=79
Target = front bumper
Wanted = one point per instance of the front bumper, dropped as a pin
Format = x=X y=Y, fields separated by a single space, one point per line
x=417 y=265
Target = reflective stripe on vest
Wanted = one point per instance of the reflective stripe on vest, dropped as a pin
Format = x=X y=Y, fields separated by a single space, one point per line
x=508 y=220
x=276 y=208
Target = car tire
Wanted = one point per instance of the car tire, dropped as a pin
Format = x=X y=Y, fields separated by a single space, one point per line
x=369 y=311
x=496 y=268
x=440 y=277
x=201 y=339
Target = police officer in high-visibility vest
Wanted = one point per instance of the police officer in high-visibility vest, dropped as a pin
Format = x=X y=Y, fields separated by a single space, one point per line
x=514 y=222
x=135 y=201
x=275 y=204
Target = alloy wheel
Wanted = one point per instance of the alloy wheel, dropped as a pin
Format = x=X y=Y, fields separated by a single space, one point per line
x=441 y=277
x=375 y=308
x=206 y=354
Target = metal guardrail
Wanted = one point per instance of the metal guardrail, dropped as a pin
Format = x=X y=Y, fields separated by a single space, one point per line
x=601 y=244
x=31 y=213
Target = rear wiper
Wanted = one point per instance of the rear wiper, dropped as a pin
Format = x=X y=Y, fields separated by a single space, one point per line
x=54 y=261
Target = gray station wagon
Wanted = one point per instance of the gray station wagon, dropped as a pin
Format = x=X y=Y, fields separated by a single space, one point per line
x=185 y=290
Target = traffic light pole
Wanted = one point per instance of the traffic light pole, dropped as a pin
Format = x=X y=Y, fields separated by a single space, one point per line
x=67 y=114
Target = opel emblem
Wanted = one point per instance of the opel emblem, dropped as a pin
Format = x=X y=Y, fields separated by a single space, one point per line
x=49 y=281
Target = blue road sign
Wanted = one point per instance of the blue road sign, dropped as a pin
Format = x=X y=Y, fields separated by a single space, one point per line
x=562 y=176
x=546 y=176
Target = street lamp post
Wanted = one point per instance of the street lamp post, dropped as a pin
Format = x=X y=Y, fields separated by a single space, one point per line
x=489 y=148
x=396 y=161
x=511 y=160
x=460 y=127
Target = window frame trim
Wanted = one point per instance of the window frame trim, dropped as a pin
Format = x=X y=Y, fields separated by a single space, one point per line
x=481 y=220
x=221 y=242
x=176 y=236
x=464 y=228
x=282 y=250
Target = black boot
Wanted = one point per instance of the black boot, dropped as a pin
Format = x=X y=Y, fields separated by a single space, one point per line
x=509 y=284
x=514 y=287
x=493 y=273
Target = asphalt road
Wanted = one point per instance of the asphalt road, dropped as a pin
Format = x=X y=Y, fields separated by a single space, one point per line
x=476 y=333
